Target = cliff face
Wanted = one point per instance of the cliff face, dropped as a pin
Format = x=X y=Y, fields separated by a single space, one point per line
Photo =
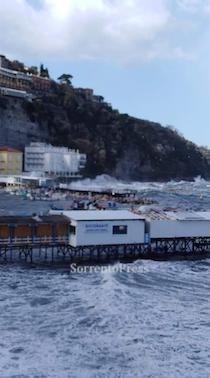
x=116 y=144
x=16 y=128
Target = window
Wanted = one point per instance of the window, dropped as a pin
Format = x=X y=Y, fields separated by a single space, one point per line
x=72 y=230
x=119 y=230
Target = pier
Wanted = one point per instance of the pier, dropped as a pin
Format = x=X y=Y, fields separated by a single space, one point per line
x=102 y=236
x=49 y=252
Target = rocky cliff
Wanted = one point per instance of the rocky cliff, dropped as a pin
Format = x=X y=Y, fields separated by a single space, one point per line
x=16 y=128
x=116 y=144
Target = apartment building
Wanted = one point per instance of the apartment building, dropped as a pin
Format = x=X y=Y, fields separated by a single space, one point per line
x=40 y=84
x=15 y=80
x=53 y=161
x=14 y=75
x=11 y=161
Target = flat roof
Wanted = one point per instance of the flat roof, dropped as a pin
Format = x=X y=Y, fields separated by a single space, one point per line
x=176 y=215
x=27 y=220
x=89 y=215
x=189 y=215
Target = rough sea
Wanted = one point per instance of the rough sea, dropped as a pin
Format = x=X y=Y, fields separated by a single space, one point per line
x=152 y=322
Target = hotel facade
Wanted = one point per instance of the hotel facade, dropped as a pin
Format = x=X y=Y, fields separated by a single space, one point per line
x=53 y=161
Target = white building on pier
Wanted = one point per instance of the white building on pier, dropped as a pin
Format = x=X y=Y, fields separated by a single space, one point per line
x=103 y=227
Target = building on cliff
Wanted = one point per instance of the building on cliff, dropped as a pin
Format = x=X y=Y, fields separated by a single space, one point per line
x=86 y=93
x=11 y=161
x=53 y=161
x=15 y=76
x=5 y=91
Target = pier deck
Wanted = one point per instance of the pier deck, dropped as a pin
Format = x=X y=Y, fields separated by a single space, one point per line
x=61 y=251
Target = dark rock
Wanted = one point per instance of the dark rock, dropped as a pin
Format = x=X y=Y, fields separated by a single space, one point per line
x=116 y=144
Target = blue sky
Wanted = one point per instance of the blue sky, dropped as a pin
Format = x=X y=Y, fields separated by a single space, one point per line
x=149 y=58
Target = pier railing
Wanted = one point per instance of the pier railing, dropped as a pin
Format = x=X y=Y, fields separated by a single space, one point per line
x=34 y=240
x=49 y=249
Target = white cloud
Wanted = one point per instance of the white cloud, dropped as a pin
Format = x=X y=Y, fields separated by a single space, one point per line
x=194 y=6
x=124 y=31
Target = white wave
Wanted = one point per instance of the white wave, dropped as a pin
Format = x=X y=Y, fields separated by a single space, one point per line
x=199 y=180
x=104 y=182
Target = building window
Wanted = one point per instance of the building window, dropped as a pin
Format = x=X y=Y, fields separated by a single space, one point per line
x=72 y=230
x=120 y=230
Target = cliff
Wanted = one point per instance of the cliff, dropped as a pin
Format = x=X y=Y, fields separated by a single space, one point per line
x=116 y=144
x=16 y=128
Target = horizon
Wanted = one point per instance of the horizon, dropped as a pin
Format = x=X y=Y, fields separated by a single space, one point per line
x=154 y=60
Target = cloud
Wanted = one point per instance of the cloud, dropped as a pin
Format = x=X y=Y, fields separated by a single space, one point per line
x=123 y=31
x=194 y=6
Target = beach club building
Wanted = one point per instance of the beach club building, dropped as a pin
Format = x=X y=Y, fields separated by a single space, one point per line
x=105 y=227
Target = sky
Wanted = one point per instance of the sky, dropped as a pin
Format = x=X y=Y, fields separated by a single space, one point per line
x=149 y=58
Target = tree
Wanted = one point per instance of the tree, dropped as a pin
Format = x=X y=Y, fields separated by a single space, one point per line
x=44 y=71
x=65 y=79
x=33 y=70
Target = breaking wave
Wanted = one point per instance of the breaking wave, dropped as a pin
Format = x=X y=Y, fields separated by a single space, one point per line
x=104 y=181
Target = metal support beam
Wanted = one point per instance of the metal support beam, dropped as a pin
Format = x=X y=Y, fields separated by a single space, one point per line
x=55 y=252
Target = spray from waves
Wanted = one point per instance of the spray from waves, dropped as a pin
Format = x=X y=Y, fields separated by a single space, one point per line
x=182 y=195
x=100 y=182
x=106 y=182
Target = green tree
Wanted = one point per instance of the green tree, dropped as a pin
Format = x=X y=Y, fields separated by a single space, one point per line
x=33 y=70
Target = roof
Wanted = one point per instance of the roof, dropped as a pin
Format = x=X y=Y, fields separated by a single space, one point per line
x=189 y=215
x=100 y=215
x=178 y=215
x=54 y=219
x=156 y=214
x=8 y=149
x=17 y=220
x=25 y=220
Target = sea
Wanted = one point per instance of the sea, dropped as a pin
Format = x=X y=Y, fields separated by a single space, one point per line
x=144 y=319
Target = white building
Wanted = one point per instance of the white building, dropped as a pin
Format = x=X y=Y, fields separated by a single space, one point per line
x=54 y=161
x=104 y=227
x=181 y=225
x=15 y=93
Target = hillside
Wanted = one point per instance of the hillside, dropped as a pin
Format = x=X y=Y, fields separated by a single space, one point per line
x=116 y=144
